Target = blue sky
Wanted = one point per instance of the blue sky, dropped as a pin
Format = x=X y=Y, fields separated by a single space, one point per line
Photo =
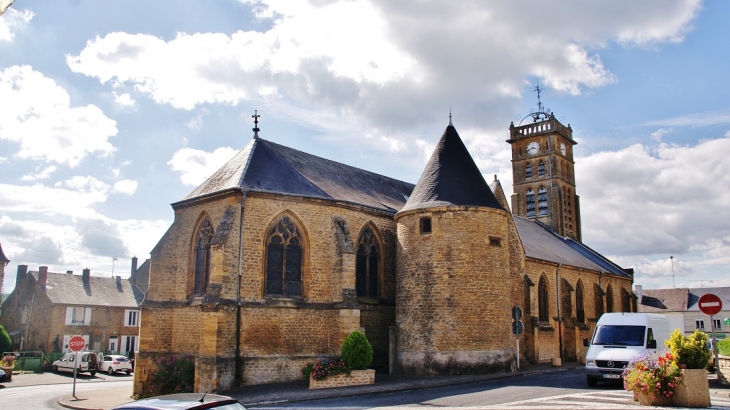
x=111 y=111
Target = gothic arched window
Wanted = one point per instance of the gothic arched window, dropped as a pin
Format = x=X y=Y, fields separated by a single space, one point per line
x=542 y=300
x=579 y=310
x=367 y=265
x=609 y=299
x=530 y=202
x=528 y=170
x=284 y=259
x=541 y=169
x=202 y=257
x=542 y=201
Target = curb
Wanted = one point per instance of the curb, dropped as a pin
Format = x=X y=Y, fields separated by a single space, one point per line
x=336 y=392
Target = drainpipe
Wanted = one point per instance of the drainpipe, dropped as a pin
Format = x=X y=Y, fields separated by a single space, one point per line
x=560 y=320
x=237 y=381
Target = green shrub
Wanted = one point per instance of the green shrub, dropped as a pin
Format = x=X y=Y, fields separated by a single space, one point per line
x=5 y=342
x=723 y=347
x=689 y=352
x=356 y=351
x=173 y=375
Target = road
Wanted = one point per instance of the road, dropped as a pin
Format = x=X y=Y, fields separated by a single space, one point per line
x=42 y=397
x=558 y=390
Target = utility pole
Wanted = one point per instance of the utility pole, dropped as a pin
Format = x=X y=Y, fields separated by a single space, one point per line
x=671 y=259
x=114 y=259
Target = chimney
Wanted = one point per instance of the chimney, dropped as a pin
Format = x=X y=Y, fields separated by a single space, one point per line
x=69 y=272
x=134 y=264
x=639 y=293
x=22 y=271
x=85 y=276
x=119 y=281
x=43 y=275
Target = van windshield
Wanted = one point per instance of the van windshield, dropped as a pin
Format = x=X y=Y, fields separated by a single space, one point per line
x=619 y=335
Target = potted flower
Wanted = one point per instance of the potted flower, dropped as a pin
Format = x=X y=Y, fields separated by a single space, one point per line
x=6 y=364
x=652 y=381
x=692 y=355
x=349 y=370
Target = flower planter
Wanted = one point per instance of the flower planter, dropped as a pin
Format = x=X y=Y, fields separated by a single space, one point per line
x=724 y=366
x=355 y=378
x=646 y=399
x=692 y=389
x=8 y=372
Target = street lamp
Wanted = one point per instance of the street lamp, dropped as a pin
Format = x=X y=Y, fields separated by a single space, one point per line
x=671 y=259
x=114 y=259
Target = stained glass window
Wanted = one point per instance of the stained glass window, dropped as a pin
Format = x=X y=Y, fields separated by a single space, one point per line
x=367 y=265
x=579 y=312
x=202 y=257
x=284 y=259
x=542 y=300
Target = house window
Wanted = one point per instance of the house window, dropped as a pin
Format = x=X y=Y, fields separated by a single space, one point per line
x=202 y=257
x=494 y=241
x=530 y=202
x=579 y=312
x=543 y=301
x=131 y=318
x=24 y=316
x=609 y=299
x=76 y=316
x=541 y=168
x=717 y=324
x=367 y=265
x=528 y=170
x=425 y=225
x=284 y=259
x=542 y=201
x=700 y=324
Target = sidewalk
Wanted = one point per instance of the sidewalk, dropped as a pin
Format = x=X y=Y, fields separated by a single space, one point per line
x=298 y=390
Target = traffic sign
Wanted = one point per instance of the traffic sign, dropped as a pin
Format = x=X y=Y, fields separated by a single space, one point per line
x=76 y=343
x=710 y=304
x=516 y=313
x=517 y=327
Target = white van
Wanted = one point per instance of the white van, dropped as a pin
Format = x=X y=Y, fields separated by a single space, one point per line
x=620 y=337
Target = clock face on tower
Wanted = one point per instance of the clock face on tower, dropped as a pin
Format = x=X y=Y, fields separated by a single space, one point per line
x=562 y=148
x=533 y=147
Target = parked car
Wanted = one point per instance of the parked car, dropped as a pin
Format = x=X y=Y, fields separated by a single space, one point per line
x=89 y=363
x=112 y=363
x=188 y=401
x=2 y=376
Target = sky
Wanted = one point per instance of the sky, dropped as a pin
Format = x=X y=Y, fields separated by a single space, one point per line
x=111 y=111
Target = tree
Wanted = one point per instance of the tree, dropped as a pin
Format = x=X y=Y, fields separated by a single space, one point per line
x=5 y=341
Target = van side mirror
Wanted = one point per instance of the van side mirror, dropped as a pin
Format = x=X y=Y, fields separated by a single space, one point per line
x=585 y=342
x=651 y=344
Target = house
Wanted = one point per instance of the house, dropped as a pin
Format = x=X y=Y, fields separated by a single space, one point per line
x=681 y=306
x=280 y=254
x=45 y=309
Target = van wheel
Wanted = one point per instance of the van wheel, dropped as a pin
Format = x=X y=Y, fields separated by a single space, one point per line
x=93 y=373
x=110 y=371
x=591 y=382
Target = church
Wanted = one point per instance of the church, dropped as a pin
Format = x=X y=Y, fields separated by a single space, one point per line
x=280 y=254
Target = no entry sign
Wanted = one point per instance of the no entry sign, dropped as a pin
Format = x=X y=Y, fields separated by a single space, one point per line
x=710 y=304
x=76 y=343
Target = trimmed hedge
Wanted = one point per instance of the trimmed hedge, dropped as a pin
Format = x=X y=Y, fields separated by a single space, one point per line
x=690 y=351
x=723 y=347
x=356 y=351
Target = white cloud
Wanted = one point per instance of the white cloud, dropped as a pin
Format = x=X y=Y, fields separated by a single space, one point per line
x=87 y=184
x=656 y=203
x=36 y=113
x=196 y=166
x=692 y=120
x=660 y=133
x=43 y=174
x=374 y=62
x=12 y=21
x=126 y=186
x=50 y=201
x=124 y=99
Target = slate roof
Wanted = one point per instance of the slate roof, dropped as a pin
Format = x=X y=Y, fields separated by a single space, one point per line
x=695 y=293
x=264 y=166
x=541 y=243
x=664 y=300
x=451 y=178
x=3 y=258
x=69 y=289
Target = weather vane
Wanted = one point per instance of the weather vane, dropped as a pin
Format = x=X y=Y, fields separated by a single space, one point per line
x=542 y=113
x=256 y=128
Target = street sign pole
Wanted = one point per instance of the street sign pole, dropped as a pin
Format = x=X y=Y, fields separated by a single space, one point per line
x=76 y=344
x=517 y=342
x=711 y=305
x=517 y=330
x=714 y=349
x=76 y=364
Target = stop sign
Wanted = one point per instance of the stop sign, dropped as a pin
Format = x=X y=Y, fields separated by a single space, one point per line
x=710 y=304
x=76 y=343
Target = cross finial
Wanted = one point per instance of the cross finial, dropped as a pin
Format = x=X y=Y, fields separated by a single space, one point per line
x=256 y=128
x=450 y=124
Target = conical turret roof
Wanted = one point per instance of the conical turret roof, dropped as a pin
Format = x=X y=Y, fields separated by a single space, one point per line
x=3 y=258
x=451 y=178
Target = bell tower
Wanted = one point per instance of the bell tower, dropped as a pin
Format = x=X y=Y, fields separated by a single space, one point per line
x=543 y=172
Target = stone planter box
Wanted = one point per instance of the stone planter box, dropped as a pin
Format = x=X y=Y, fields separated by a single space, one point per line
x=645 y=399
x=724 y=366
x=692 y=390
x=355 y=378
